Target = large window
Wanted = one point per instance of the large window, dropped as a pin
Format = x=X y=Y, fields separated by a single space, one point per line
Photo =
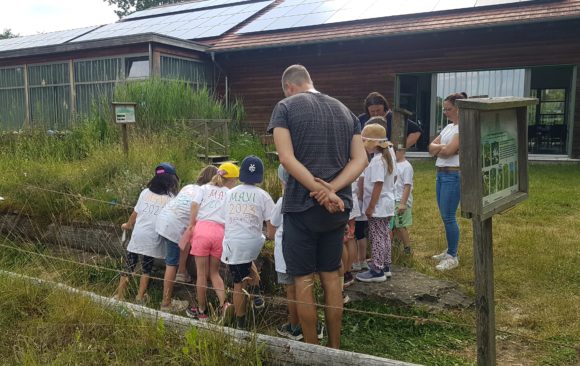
x=95 y=81
x=547 y=128
x=197 y=73
x=12 y=98
x=491 y=83
x=49 y=95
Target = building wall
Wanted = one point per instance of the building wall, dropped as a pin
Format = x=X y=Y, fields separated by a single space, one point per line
x=350 y=70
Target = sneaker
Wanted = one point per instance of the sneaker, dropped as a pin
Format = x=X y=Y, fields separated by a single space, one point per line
x=259 y=302
x=320 y=330
x=356 y=267
x=226 y=311
x=142 y=300
x=183 y=277
x=196 y=313
x=348 y=279
x=345 y=298
x=364 y=266
x=447 y=263
x=285 y=330
x=176 y=306
x=387 y=271
x=407 y=250
x=371 y=276
x=440 y=256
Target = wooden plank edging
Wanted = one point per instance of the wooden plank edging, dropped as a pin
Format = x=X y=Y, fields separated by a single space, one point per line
x=283 y=351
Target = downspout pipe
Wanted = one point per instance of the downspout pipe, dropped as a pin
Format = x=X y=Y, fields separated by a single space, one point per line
x=227 y=91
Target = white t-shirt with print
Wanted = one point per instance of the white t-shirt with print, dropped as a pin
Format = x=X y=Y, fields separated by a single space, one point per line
x=211 y=200
x=246 y=209
x=446 y=136
x=144 y=238
x=404 y=176
x=359 y=197
x=376 y=171
x=277 y=220
x=175 y=216
x=355 y=212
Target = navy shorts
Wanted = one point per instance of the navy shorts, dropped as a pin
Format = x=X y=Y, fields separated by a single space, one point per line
x=360 y=229
x=172 y=252
x=312 y=240
x=240 y=271
x=133 y=259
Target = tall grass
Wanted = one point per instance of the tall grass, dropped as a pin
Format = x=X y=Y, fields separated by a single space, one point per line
x=40 y=326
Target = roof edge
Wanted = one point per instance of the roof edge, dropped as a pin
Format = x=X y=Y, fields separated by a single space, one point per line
x=105 y=43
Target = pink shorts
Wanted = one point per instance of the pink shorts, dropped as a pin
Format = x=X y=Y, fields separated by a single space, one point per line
x=207 y=239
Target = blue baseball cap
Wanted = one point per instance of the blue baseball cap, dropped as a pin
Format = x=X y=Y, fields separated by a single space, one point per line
x=165 y=168
x=252 y=170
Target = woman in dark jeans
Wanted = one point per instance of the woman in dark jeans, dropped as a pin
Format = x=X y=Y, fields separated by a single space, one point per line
x=446 y=148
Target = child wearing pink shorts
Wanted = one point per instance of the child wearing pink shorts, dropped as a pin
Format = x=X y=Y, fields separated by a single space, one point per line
x=207 y=223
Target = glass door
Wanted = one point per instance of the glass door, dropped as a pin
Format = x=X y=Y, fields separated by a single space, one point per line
x=547 y=125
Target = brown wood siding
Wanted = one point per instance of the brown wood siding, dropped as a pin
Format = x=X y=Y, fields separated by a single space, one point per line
x=350 y=70
x=576 y=130
x=179 y=52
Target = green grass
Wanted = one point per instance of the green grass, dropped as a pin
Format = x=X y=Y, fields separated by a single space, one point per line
x=40 y=326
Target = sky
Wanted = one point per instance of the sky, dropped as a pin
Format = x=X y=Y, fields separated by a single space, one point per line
x=28 y=17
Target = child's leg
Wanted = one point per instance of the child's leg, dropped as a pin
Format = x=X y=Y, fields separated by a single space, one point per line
x=292 y=312
x=361 y=240
x=183 y=256
x=379 y=235
x=239 y=300
x=352 y=252
x=171 y=262
x=130 y=263
x=147 y=266
x=216 y=279
x=201 y=265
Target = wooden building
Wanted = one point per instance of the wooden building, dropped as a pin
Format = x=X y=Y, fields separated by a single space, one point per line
x=413 y=56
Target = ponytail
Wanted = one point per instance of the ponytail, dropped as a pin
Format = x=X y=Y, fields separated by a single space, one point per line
x=387 y=157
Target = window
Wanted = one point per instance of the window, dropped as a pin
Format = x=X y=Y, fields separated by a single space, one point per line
x=547 y=129
x=137 y=67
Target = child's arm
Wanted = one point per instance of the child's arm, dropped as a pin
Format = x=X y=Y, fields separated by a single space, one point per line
x=193 y=217
x=375 y=195
x=270 y=230
x=404 y=198
x=131 y=222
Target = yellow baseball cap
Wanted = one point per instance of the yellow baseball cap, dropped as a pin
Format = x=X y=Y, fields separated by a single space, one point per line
x=229 y=170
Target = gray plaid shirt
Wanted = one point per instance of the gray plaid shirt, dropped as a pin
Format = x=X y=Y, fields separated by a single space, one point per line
x=322 y=129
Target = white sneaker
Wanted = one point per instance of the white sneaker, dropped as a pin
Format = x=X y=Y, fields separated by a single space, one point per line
x=176 y=306
x=447 y=263
x=441 y=256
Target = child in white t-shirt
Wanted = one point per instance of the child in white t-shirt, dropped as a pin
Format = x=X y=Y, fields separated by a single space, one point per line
x=247 y=207
x=378 y=201
x=171 y=225
x=144 y=240
x=207 y=225
x=403 y=201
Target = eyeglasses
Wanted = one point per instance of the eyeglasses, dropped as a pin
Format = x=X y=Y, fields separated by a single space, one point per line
x=447 y=109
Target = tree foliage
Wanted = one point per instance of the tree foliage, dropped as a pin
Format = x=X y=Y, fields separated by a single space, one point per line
x=127 y=7
x=7 y=33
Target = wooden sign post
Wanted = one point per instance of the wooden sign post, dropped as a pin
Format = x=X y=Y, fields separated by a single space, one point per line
x=399 y=127
x=124 y=114
x=494 y=177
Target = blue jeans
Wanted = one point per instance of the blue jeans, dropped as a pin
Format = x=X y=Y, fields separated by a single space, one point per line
x=448 y=191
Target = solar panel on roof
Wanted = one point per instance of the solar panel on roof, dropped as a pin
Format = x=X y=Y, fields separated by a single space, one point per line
x=303 y=13
x=43 y=39
x=192 y=25
x=166 y=10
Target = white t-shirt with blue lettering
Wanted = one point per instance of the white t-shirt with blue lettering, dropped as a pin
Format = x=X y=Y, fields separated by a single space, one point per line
x=246 y=209
x=175 y=216
x=144 y=238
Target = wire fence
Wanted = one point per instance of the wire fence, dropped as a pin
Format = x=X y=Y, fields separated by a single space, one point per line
x=47 y=256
